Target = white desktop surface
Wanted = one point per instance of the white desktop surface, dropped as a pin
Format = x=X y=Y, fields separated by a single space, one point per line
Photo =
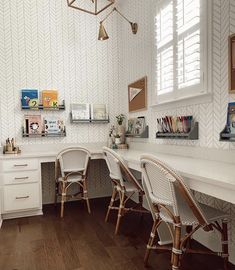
x=212 y=172
x=48 y=153
x=214 y=178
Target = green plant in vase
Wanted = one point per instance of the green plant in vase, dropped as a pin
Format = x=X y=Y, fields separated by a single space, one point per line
x=121 y=127
x=120 y=119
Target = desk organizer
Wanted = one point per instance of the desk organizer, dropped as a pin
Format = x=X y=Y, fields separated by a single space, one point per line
x=193 y=134
x=10 y=148
x=144 y=134
x=41 y=107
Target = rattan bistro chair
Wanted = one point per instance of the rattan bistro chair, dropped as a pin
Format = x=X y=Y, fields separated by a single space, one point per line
x=173 y=204
x=71 y=168
x=125 y=185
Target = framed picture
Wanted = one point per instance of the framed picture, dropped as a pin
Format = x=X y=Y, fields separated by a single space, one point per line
x=131 y=125
x=136 y=126
x=232 y=63
x=137 y=95
x=231 y=117
x=139 y=125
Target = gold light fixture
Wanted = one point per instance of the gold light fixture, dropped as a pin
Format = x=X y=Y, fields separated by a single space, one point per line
x=90 y=6
x=102 y=32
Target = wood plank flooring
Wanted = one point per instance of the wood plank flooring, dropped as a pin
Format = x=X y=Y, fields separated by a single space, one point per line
x=85 y=242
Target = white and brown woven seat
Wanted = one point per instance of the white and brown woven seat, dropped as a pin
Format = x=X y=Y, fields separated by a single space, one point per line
x=71 y=168
x=125 y=185
x=172 y=202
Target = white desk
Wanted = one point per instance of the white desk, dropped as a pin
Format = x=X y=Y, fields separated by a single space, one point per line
x=213 y=178
x=20 y=178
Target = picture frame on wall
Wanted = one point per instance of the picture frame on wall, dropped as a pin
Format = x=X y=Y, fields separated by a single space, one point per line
x=232 y=64
x=131 y=126
x=137 y=95
x=231 y=117
x=139 y=125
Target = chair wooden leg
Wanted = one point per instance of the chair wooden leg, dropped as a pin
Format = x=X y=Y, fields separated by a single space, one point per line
x=225 y=243
x=56 y=194
x=85 y=196
x=151 y=241
x=111 y=204
x=140 y=199
x=120 y=211
x=88 y=205
x=63 y=199
x=189 y=230
x=176 y=252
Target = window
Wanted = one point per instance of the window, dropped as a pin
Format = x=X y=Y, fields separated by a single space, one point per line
x=180 y=49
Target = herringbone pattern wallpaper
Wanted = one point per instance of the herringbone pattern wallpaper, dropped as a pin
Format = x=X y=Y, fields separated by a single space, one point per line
x=137 y=60
x=46 y=45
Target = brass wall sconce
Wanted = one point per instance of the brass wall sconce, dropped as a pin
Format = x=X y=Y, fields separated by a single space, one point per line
x=95 y=9
x=102 y=32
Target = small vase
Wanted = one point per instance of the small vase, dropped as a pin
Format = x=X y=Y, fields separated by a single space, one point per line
x=117 y=141
x=121 y=133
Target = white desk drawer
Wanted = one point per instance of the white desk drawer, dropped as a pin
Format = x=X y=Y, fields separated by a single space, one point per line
x=20 y=177
x=19 y=165
x=21 y=197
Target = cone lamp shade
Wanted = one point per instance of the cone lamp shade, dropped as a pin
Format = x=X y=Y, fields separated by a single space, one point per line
x=102 y=33
x=134 y=27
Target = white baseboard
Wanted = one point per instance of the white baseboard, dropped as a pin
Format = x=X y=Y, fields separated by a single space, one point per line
x=29 y=213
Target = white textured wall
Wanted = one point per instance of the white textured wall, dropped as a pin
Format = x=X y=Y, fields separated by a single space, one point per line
x=138 y=58
x=46 y=45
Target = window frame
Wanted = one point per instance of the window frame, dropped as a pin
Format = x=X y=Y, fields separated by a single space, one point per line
x=196 y=91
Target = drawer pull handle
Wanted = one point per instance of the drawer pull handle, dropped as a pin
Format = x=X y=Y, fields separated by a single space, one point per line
x=19 y=198
x=20 y=165
x=21 y=178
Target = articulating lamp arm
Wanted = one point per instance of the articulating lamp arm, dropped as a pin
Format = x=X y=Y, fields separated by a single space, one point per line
x=134 y=26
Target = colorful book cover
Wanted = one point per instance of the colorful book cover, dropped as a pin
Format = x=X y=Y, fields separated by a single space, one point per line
x=53 y=125
x=50 y=98
x=33 y=124
x=29 y=98
x=231 y=117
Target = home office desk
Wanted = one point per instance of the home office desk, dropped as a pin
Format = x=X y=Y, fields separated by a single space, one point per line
x=20 y=175
x=214 y=178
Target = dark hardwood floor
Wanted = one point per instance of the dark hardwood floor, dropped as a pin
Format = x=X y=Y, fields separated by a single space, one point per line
x=84 y=242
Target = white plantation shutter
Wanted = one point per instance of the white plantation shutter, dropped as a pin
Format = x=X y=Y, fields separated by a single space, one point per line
x=179 y=48
x=165 y=51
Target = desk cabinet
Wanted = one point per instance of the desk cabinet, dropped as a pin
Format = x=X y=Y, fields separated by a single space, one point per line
x=21 y=187
x=21 y=197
